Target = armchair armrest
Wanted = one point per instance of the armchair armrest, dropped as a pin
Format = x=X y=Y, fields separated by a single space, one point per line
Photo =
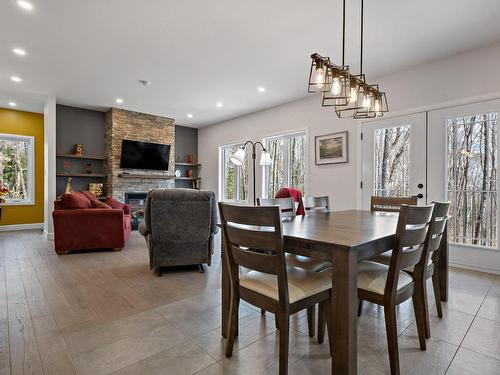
x=143 y=229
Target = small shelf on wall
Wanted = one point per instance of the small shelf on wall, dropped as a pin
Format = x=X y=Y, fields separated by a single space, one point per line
x=188 y=165
x=81 y=157
x=89 y=175
x=188 y=178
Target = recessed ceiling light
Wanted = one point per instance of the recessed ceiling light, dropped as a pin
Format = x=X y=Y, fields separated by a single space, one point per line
x=119 y=100
x=261 y=89
x=190 y=115
x=219 y=104
x=25 y=4
x=19 y=51
x=12 y=104
x=16 y=79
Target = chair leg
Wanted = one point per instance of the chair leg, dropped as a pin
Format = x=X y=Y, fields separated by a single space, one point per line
x=200 y=268
x=321 y=321
x=419 y=317
x=425 y=308
x=233 y=323
x=437 y=294
x=329 y=324
x=360 y=307
x=284 y=320
x=311 y=317
x=392 y=338
x=277 y=321
x=262 y=311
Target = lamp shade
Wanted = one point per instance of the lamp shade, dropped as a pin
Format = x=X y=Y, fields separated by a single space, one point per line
x=265 y=159
x=238 y=158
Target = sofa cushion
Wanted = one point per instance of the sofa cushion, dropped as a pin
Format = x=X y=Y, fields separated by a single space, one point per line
x=113 y=203
x=99 y=204
x=90 y=196
x=75 y=200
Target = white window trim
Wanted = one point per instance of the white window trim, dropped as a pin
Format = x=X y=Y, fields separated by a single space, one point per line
x=222 y=198
x=285 y=134
x=31 y=169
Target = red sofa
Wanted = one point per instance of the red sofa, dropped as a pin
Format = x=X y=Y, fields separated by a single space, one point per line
x=88 y=224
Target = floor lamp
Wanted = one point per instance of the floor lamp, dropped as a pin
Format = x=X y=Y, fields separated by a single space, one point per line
x=238 y=158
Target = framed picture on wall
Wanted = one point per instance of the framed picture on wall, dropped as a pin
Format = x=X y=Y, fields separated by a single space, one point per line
x=331 y=148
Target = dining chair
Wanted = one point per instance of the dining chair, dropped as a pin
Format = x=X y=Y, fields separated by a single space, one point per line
x=254 y=240
x=314 y=204
x=389 y=285
x=390 y=204
x=287 y=210
x=421 y=274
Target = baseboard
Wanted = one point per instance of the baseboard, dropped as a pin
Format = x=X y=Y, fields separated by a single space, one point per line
x=475 y=267
x=5 y=228
x=48 y=236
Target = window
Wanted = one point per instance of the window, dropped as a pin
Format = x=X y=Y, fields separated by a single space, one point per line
x=234 y=179
x=472 y=190
x=288 y=168
x=392 y=162
x=17 y=167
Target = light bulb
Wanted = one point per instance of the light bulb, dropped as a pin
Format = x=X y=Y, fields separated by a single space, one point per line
x=354 y=94
x=336 y=88
x=367 y=101
x=320 y=77
x=377 y=105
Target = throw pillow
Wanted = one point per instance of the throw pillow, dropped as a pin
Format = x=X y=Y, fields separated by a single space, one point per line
x=90 y=196
x=75 y=201
x=113 y=203
x=99 y=204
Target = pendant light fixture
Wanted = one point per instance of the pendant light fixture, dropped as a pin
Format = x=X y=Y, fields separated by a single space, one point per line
x=351 y=95
x=332 y=80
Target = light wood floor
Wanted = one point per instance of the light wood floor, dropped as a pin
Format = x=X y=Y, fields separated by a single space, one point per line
x=105 y=312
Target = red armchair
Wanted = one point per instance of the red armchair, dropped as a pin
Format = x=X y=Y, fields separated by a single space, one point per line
x=89 y=228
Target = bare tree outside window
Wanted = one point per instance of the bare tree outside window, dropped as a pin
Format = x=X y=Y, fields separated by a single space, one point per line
x=392 y=162
x=472 y=174
x=235 y=178
x=288 y=169
x=15 y=156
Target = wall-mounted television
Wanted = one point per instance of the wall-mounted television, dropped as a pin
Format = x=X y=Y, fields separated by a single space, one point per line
x=144 y=155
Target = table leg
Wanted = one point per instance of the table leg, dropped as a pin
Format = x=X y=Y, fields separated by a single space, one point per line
x=226 y=289
x=344 y=309
x=443 y=266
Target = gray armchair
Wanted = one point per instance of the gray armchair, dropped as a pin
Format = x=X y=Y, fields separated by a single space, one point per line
x=179 y=227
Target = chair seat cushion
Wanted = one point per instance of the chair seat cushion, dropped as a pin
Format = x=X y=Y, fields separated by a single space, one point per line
x=301 y=283
x=385 y=258
x=307 y=263
x=373 y=276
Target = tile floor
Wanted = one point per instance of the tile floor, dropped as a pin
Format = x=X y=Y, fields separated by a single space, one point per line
x=106 y=313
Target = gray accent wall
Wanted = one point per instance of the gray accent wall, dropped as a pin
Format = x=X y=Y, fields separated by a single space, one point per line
x=186 y=142
x=78 y=125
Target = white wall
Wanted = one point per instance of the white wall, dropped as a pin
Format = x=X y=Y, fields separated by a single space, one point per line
x=461 y=77
x=49 y=127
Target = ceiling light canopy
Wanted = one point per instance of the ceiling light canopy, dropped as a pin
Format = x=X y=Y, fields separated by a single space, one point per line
x=349 y=94
x=16 y=79
x=25 y=4
x=19 y=51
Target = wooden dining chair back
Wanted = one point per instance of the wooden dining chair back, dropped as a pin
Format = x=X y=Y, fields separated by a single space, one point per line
x=314 y=204
x=437 y=229
x=254 y=240
x=390 y=204
x=286 y=205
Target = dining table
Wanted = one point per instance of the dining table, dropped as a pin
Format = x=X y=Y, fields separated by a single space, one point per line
x=343 y=238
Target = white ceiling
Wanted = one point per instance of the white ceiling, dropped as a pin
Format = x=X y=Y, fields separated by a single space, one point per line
x=197 y=53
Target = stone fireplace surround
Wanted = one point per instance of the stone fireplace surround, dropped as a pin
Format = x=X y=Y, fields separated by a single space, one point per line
x=136 y=126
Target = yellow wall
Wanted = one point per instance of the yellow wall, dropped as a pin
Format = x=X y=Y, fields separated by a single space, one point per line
x=25 y=123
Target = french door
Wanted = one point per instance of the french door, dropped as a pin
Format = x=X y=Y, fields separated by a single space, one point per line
x=447 y=154
x=394 y=158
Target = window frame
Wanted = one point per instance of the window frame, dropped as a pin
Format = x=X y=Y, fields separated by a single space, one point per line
x=31 y=169
x=286 y=162
x=222 y=175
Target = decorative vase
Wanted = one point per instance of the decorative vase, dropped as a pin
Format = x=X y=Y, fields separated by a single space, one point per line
x=69 y=188
x=190 y=159
x=190 y=173
x=78 y=149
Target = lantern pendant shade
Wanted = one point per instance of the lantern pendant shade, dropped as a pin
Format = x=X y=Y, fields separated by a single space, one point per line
x=366 y=103
x=265 y=159
x=339 y=87
x=318 y=75
x=238 y=158
x=381 y=106
x=356 y=86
